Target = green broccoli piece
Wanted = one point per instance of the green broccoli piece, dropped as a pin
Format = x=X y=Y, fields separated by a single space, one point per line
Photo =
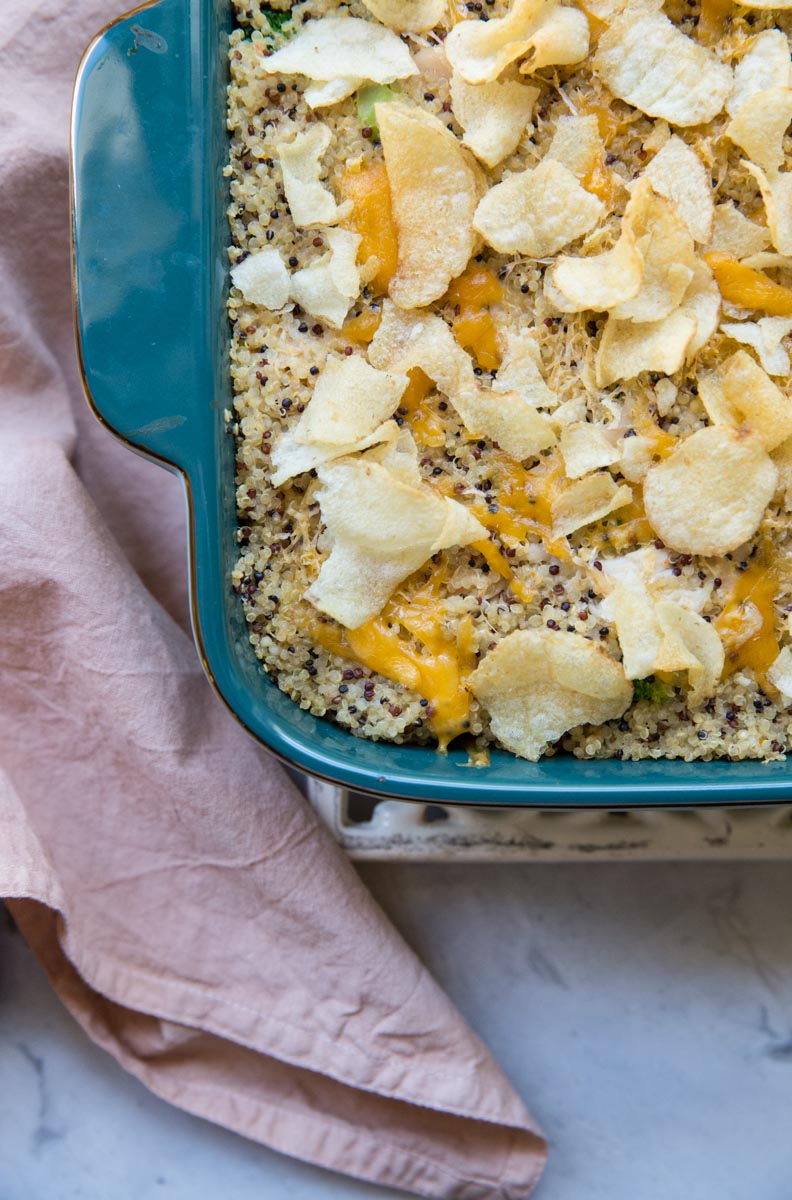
x=367 y=97
x=650 y=689
x=276 y=20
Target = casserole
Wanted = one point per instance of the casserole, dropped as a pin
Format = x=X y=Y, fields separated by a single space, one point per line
x=149 y=200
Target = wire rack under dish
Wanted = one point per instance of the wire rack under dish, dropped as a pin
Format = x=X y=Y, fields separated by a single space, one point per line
x=369 y=828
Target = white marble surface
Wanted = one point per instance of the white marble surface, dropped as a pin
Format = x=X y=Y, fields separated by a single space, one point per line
x=644 y=1012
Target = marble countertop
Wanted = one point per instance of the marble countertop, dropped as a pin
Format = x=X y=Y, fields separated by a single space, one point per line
x=644 y=1012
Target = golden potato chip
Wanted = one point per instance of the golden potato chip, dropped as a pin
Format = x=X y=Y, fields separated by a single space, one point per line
x=599 y=282
x=478 y=51
x=734 y=234
x=576 y=144
x=399 y=456
x=537 y=211
x=780 y=674
x=702 y=300
x=407 y=16
x=290 y=457
x=710 y=494
x=407 y=340
x=561 y=38
x=678 y=173
x=521 y=370
x=766 y=64
x=379 y=530
x=636 y=455
x=350 y=399
x=493 y=116
x=630 y=609
x=759 y=127
x=537 y=684
x=262 y=278
x=328 y=288
x=699 y=639
x=668 y=253
x=337 y=47
x=435 y=186
x=587 y=500
x=586 y=447
x=777 y=195
x=310 y=202
x=331 y=91
x=765 y=337
x=782 y=458
x=644 y=59
x=743 y=396
x=626 y=349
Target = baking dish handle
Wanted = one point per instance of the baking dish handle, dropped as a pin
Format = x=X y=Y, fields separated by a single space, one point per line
x=139 y=214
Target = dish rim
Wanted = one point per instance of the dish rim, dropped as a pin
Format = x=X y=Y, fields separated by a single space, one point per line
x=646 y=783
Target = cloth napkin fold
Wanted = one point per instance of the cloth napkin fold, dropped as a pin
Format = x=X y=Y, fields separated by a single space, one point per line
x=190 y=910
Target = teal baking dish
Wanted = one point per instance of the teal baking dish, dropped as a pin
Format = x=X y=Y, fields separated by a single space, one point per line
x=150 y=273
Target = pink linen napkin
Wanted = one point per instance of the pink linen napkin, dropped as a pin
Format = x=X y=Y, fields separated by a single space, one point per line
x=189 y=909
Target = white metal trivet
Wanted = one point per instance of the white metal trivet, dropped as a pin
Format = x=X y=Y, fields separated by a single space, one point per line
x=368 y=828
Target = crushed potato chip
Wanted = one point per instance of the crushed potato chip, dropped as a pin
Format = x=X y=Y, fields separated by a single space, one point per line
x=734 y=234
x=310 y=202
x=537 y=684
x=521 y=370
x=777 y=195
x=765 y=337
x=435 y=185
x=599 y=282
x=379 y=530
x=668 y=253
x=407 y=340
x=407 y=16
x=329 y=286
x=626 y=348
x=493 y=116
x=290 y=457
x=587 y=500
x=765 y=64
x=586 y=447
x=337 y=47
x=478 y=51
x=702 y=301
x=710 y=494
x=644 y=59
x=636 y=455
x=699 y=639
x=331 y=91
x=537 y=211
x=576 y=144
x=744 y=396
x=262 y=278
x=780 y=674
x=350 y=399
x=678 y=173
x=759 y=127
x=560 y=39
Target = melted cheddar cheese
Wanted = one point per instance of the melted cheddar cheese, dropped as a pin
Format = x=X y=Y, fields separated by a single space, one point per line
x=360 y=330
x=743 y=285
x=372 y=217
x=471 y=294
x=745 y=645
x=431 y=661
x=418 y=412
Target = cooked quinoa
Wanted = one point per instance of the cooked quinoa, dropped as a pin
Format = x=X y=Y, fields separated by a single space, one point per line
x=276 y=357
